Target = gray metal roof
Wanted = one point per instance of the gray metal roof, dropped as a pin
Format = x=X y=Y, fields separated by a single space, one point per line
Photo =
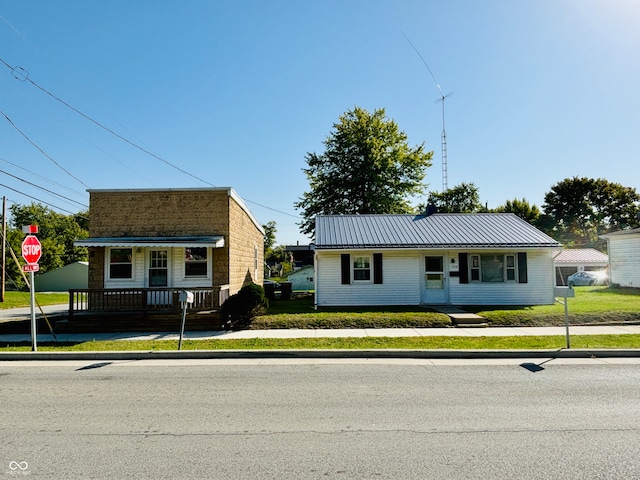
x=440 y=230
x=215 y=241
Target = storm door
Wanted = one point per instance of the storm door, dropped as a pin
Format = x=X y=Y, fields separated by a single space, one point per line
x=434 y=290
x=158 y=274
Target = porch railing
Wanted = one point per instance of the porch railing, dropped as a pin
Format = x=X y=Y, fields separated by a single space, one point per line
x=144 y=300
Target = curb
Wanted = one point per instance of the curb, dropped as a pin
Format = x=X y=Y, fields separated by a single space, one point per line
x=320 y=354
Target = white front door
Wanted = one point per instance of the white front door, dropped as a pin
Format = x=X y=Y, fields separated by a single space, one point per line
x=434 y=288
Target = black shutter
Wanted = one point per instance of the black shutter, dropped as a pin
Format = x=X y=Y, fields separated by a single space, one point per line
x=345 y=263
x=522 y=267
x=463 y=265
x=377 y=268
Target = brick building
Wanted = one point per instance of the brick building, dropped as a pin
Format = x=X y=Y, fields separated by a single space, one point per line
x=172 y=239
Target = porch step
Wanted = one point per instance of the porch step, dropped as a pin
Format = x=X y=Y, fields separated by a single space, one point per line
x=460 y=318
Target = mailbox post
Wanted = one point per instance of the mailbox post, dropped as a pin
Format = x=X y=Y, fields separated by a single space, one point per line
x=565 y=292
x=185 y=298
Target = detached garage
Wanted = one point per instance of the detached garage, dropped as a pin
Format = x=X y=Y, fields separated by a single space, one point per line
x=624 y=257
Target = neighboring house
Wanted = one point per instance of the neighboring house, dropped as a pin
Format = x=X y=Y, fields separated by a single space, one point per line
x=575 y=260
x=302 y=279
x=161 y=241
x=302 y=255
x=624 y=257
x=459 y=259
x=74 y=275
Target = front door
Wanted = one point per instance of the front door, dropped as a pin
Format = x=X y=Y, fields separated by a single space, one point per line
x=158 y=273
x=434 y=291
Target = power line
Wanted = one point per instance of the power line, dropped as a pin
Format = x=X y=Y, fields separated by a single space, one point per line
x=44 y=189
x=40 y=176
x=41 y=201
x=21 y=74
x=41 y=150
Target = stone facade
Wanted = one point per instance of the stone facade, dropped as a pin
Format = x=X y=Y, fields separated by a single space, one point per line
x=181 y=212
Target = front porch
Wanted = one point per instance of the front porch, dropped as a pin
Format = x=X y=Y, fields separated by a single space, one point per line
x=144 y=309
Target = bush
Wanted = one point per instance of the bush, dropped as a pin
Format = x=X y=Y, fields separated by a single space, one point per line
x=240 y=309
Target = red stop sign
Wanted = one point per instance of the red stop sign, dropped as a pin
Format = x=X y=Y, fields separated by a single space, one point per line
x=31 y=249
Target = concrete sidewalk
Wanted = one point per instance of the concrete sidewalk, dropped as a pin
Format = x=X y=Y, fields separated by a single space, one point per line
x=331 y=333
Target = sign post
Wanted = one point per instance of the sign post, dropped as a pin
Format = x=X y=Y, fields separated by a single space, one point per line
x=565 y=292
x=31 y=252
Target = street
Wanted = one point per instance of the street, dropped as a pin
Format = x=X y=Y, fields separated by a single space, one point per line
x=527 y=419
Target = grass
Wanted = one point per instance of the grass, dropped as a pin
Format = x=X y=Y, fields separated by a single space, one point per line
x=23 y=299
x=591 y=305
x=356 y=343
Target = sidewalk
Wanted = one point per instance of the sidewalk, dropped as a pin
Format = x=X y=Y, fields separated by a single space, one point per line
x=331 y=333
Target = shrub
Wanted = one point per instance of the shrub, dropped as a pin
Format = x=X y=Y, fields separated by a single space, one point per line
x=240 y=309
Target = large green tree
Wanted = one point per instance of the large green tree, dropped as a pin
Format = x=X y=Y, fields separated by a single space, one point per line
x=578 y=210
x=367 y=167
x=463 y=198
x=56 y=233
x=521 y=208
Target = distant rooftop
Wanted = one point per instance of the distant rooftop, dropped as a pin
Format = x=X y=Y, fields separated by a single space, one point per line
x=582 y=255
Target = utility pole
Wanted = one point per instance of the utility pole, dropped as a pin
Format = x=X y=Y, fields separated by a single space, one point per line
x=4 y=247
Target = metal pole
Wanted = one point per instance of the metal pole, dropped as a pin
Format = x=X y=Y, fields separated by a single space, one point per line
x=34 y=332
x=566 y=321
x=184 y=317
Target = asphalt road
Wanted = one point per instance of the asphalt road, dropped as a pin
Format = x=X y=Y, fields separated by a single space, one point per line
x=315 y=419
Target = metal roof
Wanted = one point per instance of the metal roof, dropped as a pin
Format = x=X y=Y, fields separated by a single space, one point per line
x=581 y=255
x=215 y=241
x=439 y=230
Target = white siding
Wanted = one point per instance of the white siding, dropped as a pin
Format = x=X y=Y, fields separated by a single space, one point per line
x=176 y=271
x=400 y=285
x=624 y=260
x=537 y=291
x=403 y=274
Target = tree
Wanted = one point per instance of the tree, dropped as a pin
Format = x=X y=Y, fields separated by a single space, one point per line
x=463 y=198
x=367 y=167
x=521 y=208
x=269 y=236
x=578 y=210
x=56 y=233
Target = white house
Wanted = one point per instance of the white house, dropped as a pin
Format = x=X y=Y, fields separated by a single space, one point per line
x=459 y=259
x=624 y=257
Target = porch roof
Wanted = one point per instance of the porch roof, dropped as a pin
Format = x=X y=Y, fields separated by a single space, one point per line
x=214 y=241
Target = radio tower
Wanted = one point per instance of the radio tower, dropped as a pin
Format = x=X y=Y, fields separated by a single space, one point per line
x=443 y=138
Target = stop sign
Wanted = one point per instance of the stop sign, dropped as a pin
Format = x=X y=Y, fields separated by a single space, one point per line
x=31 y=249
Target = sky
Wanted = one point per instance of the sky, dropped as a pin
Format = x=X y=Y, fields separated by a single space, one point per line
x=200 y=93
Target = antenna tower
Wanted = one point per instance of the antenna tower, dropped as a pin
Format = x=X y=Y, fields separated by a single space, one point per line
x=443 y=138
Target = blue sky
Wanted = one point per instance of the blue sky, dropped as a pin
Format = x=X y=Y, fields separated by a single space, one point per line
x=236 y=93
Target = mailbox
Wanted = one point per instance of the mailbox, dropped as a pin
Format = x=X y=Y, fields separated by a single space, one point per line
x=186 y=296
x=564 y=292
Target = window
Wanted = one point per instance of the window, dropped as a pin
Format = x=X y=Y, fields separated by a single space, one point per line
x=510 y=263
x=492 y=268
x=120 y=263
x=195 y=262
x=362 y=269
x=475 y=268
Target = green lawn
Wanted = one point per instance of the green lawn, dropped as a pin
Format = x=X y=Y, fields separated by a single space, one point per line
x=23 y=299
x=418 y=343
x=591 y=305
